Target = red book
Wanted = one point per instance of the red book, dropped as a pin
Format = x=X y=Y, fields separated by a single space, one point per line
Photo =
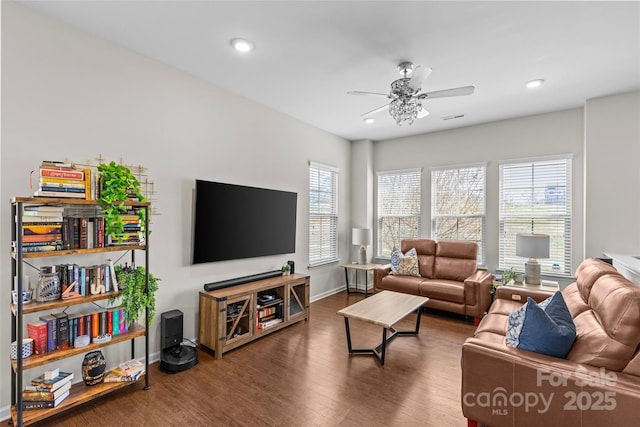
x=110 y=322
x=66 y=174
x=38 y=331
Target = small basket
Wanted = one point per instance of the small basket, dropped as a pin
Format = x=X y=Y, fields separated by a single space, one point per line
x=27 y=348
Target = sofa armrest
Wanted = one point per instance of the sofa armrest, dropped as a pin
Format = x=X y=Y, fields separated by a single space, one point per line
x=506 y=387
x=519 y=293
x=477 y=293
x=378 y=274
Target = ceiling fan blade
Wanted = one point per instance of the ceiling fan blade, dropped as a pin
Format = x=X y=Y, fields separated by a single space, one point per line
x=377 y=110
x=357 y=92
x=418 y=77
x=458 y=91
x=422 y=113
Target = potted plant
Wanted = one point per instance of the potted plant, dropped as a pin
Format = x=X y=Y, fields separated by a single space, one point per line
x=118 y=185
x=131 y=282
x=508 y=275
x=286 y=270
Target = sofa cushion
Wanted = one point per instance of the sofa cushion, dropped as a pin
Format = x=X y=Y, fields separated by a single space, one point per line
x=608 y=334
x=406 y=284
x=455 y=260
x=545 y=328
x=426 y=250
x=407 y=264
x=588 y=272
x=446 y=290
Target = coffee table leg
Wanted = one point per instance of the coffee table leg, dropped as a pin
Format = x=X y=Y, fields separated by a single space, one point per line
x=384 y=345
x=346 y=326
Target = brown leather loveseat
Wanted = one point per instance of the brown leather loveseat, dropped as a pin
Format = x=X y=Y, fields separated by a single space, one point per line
x=449 y=276
x=597 y=384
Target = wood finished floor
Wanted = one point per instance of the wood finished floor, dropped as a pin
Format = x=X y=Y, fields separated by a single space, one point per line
x=303 y=376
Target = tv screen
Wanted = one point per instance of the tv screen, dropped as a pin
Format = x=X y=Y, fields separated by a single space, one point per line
x=235 y=221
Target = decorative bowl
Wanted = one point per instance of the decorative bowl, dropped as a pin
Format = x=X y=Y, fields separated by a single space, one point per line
x=27 y=348
x=26 y=296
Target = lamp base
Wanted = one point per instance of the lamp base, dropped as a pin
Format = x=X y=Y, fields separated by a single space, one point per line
x=362 y=255
x=532 y=273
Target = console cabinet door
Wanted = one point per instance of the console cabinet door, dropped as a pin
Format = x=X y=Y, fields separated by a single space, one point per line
x=238 y=321
x=297 y=300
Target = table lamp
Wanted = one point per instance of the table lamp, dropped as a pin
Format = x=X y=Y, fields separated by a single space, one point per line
x=532 y=246
x=362 y=237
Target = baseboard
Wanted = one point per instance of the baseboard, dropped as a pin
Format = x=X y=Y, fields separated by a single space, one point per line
x=328 y=293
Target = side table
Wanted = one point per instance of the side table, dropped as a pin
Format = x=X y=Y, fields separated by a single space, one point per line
x=359 y=267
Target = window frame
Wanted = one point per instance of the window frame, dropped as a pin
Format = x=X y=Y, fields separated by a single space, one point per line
x=557 y=224
x=482 y=244
x=316 y=257
x=380 y=217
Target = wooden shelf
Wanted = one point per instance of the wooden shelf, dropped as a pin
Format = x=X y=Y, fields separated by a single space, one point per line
x=34 y=306
x=67 y=201
x=80 y=393
x=119 y=248
x=42 y=359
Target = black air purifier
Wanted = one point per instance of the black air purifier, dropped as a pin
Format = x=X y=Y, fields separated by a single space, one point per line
x=175 y=356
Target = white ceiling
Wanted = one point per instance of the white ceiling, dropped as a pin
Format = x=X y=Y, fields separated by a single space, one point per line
x=309 y=54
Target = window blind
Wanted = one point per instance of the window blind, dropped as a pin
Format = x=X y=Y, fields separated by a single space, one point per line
x=398 y=209
x=323 y=214
x=458 y=205
x=535 y=197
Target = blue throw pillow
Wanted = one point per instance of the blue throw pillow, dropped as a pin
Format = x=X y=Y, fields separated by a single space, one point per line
x=545 y=328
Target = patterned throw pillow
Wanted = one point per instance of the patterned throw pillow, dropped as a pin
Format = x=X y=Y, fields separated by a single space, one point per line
x=545 y=328
x=407 y=264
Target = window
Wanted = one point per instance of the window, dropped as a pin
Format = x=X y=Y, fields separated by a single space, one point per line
x=323 y=214
x=458 y=205
x=535 y=197
x=398 y=209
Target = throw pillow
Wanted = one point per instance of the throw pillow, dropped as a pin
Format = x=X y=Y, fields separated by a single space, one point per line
x=407 y=264
x=545 y=328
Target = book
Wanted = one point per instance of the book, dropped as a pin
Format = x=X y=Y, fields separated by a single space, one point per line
x=131 y=370
x=26 y=404
x=53 y=384
x=50 y=237
x=38 y=331
x=59 y=194
x=43 y=396
x=65 y=174
x=62 y=327
x=52 y=333
x=31 y=229
x=39 y=219
x=57 y=210
x=42 y=248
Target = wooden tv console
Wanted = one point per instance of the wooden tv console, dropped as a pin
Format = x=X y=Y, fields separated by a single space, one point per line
x=233 y=316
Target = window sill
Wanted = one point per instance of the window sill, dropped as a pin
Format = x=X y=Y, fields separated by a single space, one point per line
x=323 y=263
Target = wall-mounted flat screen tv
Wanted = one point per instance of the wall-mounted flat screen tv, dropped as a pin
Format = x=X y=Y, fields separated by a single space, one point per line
x=236 y=221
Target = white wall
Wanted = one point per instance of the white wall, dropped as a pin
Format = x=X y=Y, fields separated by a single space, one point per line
x=612 y=178
x=541 y=135
x=68 y=95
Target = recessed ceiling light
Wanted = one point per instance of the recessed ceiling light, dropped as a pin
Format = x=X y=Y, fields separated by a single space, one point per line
x=242 y=45
x=369 y=120
x=534 y=83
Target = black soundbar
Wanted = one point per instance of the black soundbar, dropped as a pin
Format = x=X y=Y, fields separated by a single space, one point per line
x=240 y=280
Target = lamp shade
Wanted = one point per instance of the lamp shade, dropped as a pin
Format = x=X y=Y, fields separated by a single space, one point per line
x=532 y=245
x=360 y=236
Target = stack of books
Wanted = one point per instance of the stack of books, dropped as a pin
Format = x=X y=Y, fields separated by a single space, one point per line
x=128 y=371
x=58 y=179
x=132 y=230
x=47 y=393
x=42 y=228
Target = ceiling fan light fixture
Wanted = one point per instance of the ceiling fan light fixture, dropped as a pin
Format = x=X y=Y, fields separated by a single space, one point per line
x=404 y=109
x=242 y=45
x=532 y=84
x=369 y=120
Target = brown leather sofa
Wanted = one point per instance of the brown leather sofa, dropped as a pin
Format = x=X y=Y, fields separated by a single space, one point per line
x=449 y=276
x=598 y=384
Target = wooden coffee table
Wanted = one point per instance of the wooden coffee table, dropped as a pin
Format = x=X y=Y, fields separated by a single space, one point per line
x=384 y=309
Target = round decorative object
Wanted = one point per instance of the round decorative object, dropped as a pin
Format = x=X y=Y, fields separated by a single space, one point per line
x=93 y=368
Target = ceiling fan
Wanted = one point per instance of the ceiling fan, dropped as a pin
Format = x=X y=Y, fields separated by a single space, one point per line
x=406 y=98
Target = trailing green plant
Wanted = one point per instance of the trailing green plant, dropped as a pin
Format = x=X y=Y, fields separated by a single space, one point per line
x=131 y=282
x=118 y=184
